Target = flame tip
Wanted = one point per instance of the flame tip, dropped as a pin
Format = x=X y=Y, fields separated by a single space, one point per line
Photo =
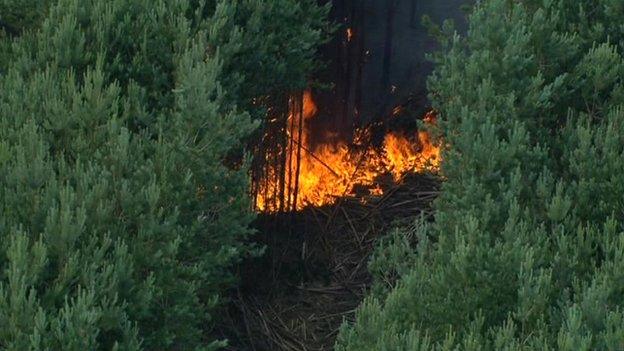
x=331 y=170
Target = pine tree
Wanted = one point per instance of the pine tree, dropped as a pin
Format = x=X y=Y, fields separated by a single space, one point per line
x=123 y=176
x=526 y=252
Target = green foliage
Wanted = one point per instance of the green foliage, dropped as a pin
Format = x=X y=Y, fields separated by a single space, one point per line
x=395 y=255
x=123 y=181
x=527 y=251
x=275 y=52
x=24 y=14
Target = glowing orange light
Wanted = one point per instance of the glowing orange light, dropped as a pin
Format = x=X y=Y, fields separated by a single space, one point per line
x=397 y=110
x=329 y=171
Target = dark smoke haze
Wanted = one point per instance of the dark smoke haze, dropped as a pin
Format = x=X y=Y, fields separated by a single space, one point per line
x=383 y=65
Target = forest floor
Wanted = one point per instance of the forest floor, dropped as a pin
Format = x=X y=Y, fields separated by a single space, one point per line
x=314 y=273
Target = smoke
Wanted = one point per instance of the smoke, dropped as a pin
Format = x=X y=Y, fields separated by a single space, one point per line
x=377 y=59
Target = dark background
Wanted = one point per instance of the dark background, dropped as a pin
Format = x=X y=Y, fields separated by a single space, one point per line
x=383 y=65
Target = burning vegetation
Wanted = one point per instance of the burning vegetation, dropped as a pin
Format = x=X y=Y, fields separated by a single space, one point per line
x=317 y=174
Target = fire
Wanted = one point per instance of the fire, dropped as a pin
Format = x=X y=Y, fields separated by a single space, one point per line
x=329 y=171
x=397 y=110
x=349 y=34
x=309 y=107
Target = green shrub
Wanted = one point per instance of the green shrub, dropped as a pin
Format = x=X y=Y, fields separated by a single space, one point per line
x=527 y=251
x=123 y=178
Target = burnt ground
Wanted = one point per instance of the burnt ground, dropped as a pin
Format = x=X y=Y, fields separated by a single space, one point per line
x=314 y=272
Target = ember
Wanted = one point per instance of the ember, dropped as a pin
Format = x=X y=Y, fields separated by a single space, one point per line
x=318 y=175
x=349 y=34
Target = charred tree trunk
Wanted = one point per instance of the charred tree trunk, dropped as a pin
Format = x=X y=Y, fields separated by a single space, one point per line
x=291 y=146
x=298 y=156
x=386 y=89
x=361 y=52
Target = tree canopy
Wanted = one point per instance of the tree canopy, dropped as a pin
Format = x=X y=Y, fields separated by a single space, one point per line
x=527 y=251
x=123 y=176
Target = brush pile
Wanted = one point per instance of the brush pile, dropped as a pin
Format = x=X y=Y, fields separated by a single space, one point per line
x=314 y=273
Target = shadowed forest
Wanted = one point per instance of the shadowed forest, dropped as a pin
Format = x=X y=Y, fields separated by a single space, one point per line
x=310 y=175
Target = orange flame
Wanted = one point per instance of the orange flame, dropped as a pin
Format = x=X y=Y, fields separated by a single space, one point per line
x=330 y=171
x=309 y=106
x=349 y=34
